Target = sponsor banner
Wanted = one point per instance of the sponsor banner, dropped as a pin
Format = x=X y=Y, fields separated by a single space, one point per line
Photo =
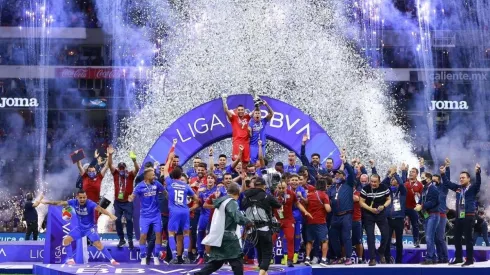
x=101 y=73
x=7 y=102
x=13 y=237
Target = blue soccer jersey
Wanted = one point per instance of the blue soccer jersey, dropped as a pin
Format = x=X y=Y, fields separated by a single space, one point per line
x=258 y=131
x=85 y=213
x=148 y=196
x=178 y=192
x=203 y=196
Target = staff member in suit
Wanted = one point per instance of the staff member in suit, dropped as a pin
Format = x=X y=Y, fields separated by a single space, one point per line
x=30 y=217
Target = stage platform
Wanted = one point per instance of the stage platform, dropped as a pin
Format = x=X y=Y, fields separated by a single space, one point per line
x=299 y=269
x=32 y=251
x=129 y=268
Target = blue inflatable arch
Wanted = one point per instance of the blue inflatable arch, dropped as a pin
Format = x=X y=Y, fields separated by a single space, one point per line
x=208 y=124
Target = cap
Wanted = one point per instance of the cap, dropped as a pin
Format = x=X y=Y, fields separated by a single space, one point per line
x=259 y=182
x=339 y=172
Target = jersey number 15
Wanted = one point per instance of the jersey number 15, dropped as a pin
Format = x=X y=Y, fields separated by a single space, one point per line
x=179 y=197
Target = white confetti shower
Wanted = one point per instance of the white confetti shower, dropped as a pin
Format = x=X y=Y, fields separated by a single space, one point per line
x=292 y=50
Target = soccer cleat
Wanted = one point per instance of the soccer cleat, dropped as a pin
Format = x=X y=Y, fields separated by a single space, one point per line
x=143 y=261
x=295 y=258
x=200 y=261
x=284 y=260
x=130 y=245
x=174 y=261
x=156 y=261
x=113 y=262
x=372 y=262
x=70 y=262
x=324 y=263
x=290 y=263
x=307 y=261
x=315 y=260
x=467 y=263
x=162 y=255
x=348 y=262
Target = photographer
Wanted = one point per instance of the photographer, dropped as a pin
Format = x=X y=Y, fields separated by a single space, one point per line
x=258 y=207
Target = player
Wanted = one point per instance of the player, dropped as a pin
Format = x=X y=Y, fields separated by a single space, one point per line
x=256 y=130
x=147 y=192
x=179 y=212
x=239 y=123
x=85 y=210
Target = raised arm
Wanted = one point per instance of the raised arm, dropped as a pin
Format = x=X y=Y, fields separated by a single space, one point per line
x=270 y=112
x=166 y=168
x=447 y=163
x=404 y=169
x=228 y=113
x=446 y=182
x=110 y=152
x=421 y=166
x=135 y=164
x=80 y=168
x=302 y=156
x=351 y=179
x=478 y=177
x=104 y=169
x=211 y=160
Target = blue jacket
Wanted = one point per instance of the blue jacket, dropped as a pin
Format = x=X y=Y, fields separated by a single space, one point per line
x=399 y=193
x=341 y=195
x=430 y=198
x=443 y=191
x=312 y=170
x=469 y=194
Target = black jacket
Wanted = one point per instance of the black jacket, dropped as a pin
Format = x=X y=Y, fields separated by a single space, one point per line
x=261 y=199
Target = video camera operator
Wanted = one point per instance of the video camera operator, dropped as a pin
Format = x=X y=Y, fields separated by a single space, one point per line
x=258 y=207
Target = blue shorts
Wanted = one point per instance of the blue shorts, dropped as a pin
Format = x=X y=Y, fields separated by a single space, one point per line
x=91 y=234
x=356 y=233
x=179 y=221
x=254 y=153
x=317 y=233
x=203 y=222
x=146 y=222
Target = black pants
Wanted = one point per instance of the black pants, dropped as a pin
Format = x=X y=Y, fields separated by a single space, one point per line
x=209 y=268
x=126 y=209
x=32 y=228
x=395 y=225
x=464 y=227
x=370 y=221
x=264 y=249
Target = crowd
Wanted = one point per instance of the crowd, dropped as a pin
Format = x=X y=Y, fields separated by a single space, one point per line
x=73 y=13
x=322 y=209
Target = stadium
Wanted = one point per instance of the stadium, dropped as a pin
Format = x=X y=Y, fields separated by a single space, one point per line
x=359 y=129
